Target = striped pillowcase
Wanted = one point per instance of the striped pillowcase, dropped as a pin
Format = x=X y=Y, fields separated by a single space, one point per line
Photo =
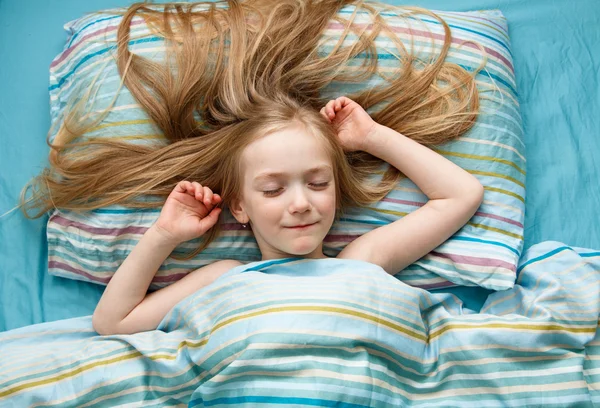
x=90 y=246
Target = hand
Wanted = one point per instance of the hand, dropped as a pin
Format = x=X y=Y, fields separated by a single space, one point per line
x=352 y=123
x=188 y=212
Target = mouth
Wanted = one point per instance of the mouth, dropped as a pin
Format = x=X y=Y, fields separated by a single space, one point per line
x=302 y=227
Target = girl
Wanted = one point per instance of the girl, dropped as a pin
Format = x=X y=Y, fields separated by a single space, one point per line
x=287 y=189
x=237 y=98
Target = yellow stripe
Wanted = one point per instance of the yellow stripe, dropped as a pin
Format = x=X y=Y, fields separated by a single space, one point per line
x=546 y=327
x=63 y=376
x=391 y=212
x=489 y=173
x=481 y=173
x=433 y=335
x=142 y=137
x=473 y=224
x=330 y=309
x=476 y=157
x=498 y=230
x=121 y=123
x=89 y=366
x=488 y=142
x=475 y=23
x=136 y=353
x=502 y=191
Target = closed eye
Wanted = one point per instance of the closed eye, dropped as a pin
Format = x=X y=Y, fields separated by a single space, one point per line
x=271 y=193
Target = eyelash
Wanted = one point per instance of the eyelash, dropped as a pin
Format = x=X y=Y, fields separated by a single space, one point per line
x=271 y=193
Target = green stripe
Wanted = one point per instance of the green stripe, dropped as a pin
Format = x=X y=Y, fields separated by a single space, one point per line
x=502 y=191
x=489 y=173
x=334 y=310
x=478 y=157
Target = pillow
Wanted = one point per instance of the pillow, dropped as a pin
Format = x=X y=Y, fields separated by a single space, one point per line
x=90 y=246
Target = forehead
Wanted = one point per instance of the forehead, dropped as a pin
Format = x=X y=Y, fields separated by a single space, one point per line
x=291 y=150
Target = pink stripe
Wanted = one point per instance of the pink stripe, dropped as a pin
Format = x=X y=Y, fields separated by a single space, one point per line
x=439 y=37
x=497 y=217
x=478 y=213
x=232 y=226
x=175 y=277
x=462 y=259
x=438 y=285
x=395 y=200
x=57 y=219
x=472 y=260
x=331 y=25
x=64 y=267
x=83 y=39
x=96 y=230
x=338 y=238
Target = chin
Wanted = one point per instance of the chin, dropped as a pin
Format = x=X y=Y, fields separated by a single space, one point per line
x=302 y=250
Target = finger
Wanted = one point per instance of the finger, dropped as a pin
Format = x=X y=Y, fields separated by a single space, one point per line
x=216 y=199
x=196 y=187
x=210 y=220
x=180 y=187
x=208 y=195
x=325 y=114
x=196 y=191
x=187 y=187
x=344 y=101
x=331 y=105
x=329 y=109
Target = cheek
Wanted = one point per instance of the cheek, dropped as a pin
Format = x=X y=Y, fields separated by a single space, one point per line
x=326 y=202
x=267 y=209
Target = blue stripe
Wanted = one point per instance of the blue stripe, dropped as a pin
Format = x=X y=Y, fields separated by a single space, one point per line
x=363 y=55
x=275 y=400
x=438 y=23
x=474 y=32
x=467 y=68
x=87 y=57
x=539 y=258
x=126 y=211
x=494 y=76
x=485 y=241
x=263 y=265
x=374 y=222
x=90 y=24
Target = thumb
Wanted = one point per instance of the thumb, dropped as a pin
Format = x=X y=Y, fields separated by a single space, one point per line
x=210 y=220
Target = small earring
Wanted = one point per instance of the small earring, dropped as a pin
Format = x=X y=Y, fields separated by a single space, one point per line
x=244 y=225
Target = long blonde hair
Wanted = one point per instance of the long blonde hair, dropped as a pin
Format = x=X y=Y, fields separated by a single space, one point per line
x=210 y=101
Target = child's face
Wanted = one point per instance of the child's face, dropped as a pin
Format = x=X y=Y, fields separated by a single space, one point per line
x=288 y=182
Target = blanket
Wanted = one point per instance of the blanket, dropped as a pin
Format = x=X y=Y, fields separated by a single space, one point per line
x=330 y=332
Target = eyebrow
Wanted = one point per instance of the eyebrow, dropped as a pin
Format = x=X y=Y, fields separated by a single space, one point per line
x=275 y=175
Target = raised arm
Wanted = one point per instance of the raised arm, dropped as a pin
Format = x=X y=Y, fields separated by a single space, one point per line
x=124 y=307
x=454 y=194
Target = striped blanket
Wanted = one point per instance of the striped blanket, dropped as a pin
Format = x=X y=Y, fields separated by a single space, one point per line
x=330 y=333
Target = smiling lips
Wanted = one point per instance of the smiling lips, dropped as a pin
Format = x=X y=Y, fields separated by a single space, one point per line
x=300 y=227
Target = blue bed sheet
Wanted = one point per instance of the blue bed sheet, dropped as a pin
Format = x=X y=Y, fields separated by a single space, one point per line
x=557 y=66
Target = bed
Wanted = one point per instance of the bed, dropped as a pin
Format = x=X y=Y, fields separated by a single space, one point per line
x=557 y=67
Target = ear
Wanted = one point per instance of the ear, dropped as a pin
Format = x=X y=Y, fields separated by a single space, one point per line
x=236 y=208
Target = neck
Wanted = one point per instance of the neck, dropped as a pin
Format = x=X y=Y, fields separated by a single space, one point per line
x=316 y=254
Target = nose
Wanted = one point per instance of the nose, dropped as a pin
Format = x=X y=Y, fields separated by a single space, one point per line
x=300 y=202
